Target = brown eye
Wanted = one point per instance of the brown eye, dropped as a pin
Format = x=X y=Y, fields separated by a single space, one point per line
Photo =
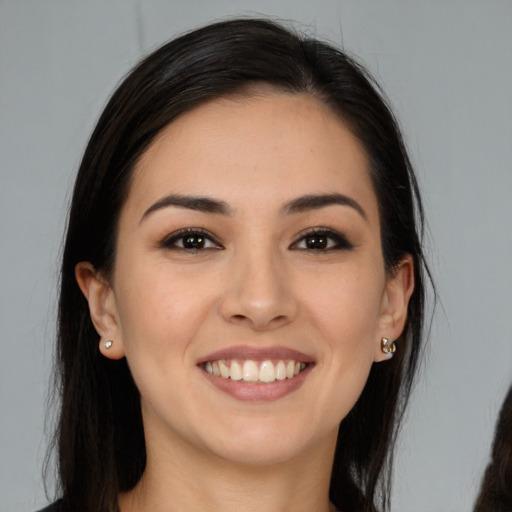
x=322 y=240
x=190 y=240
x=193 y=241
x=316 y=242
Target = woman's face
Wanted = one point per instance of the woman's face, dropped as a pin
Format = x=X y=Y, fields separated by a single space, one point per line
x=249 y=246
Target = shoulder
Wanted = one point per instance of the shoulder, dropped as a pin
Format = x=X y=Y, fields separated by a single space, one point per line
x=54 y=507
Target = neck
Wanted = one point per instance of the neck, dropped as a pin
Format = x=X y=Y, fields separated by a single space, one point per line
x=182 y=478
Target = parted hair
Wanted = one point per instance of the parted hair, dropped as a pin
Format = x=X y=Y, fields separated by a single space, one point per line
x=99 y=438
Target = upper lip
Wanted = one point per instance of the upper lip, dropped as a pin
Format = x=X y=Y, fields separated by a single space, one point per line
x=257 y=354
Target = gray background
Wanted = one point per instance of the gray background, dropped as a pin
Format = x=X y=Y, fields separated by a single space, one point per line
x=446 y=66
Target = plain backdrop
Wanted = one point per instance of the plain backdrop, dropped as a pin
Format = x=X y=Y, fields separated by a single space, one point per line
x=446 y=66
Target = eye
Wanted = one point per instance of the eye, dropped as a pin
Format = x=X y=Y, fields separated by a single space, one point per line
x=190 y=239
x=322 y=239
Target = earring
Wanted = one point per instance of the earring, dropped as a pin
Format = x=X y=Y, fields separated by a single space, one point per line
x=388 y=347
x=108 y=344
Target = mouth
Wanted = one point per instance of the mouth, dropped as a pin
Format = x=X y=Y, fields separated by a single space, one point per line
x=257 y=374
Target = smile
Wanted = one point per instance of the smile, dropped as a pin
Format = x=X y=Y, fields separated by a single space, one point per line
x=253 y=371
x=257 y=374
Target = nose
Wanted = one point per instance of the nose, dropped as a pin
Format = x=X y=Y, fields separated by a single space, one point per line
x=259 y=294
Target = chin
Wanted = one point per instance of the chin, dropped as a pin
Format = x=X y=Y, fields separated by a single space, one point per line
x=270 y=442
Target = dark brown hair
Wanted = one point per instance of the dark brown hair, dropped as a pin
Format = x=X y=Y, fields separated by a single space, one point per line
x=496 y=489
x=100 y=441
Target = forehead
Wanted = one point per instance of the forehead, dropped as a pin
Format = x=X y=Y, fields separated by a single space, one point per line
x=258 y=148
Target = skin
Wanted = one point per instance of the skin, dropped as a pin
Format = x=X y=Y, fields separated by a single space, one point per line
x=257 y=285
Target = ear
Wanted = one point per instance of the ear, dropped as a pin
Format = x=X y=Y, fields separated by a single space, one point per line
x=102 y=308
x=395 y=301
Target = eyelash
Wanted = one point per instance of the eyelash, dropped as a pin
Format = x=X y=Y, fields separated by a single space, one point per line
x=170 y=242
x=333 y=240
x=341 y=242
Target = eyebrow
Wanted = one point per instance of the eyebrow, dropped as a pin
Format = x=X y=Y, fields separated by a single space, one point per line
x=198 y=203
x=315 y=202
x=219 y=207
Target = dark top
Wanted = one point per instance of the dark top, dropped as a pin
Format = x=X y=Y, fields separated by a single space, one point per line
x=54 y=507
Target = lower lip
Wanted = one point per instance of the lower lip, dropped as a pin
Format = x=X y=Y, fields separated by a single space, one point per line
x=258 y=392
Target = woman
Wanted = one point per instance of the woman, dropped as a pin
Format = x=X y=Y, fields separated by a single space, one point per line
x=242 y=261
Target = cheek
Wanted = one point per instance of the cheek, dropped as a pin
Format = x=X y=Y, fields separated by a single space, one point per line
x=346 y=315
x=160 y=312
x=159 y=316
x=346 y=306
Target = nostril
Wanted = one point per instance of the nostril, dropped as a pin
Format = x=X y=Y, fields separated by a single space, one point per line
x=277 y=319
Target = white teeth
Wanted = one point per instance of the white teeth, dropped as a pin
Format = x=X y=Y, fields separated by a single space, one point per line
x=290 y=368
x=250 y=371
x=235 y=372
x=280 y=371
x=267 y=372
x=224 y=370
x=254 y=371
